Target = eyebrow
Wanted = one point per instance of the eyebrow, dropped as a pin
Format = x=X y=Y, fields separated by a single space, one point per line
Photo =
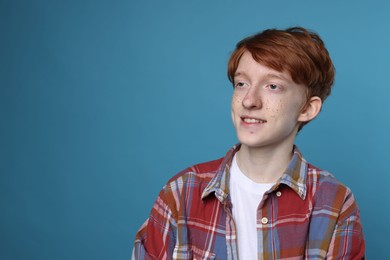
x=267 y=76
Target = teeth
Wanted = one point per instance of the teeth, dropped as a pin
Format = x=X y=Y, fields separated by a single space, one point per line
x=252 y=120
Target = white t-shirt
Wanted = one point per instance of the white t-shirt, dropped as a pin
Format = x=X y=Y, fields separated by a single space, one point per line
x=246 y=196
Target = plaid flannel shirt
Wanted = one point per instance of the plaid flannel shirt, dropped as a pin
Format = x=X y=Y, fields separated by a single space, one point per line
x=307 y=214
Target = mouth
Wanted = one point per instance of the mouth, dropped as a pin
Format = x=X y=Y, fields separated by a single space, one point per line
x=251 y=120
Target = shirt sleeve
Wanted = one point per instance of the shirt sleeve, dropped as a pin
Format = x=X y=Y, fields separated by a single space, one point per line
x=156 y=237
x=348 y=241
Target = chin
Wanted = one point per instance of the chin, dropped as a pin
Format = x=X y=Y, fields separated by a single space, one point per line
x=252 y=142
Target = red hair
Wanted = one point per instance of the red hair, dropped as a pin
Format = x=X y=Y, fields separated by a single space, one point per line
x=296 y=50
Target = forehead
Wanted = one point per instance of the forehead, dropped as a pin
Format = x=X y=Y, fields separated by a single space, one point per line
x=248 y=66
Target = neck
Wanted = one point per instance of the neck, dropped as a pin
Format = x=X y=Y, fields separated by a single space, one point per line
x=264 y=165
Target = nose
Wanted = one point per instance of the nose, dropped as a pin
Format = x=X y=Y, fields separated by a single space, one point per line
x=252 y=99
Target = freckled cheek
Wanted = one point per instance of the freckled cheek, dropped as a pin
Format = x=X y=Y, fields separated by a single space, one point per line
x=274 y=107
x=234 y=108
x=236 y=100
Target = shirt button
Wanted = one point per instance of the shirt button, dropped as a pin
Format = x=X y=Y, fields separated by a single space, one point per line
x=278 y=193
x=264 y=220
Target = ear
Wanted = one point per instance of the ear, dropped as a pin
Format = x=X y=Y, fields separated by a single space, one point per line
x=310 y=110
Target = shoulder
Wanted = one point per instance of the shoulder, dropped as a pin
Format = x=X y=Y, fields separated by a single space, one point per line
x=321 y=180
x=327 y=192
x=197 y=175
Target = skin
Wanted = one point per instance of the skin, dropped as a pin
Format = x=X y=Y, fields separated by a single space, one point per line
x=267 y=109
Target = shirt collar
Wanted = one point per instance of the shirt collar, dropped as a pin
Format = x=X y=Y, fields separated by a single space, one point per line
x=294 y=176
x=219 y=184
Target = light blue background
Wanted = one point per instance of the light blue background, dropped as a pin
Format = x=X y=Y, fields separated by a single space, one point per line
x=101 y=102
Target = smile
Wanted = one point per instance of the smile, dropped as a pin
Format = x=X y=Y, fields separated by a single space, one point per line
x=253 y=120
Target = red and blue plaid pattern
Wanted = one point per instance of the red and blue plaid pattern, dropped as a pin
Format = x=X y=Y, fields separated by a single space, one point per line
x=307 y=214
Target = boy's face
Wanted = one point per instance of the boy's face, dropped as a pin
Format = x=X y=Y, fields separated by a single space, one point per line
x=266 y=105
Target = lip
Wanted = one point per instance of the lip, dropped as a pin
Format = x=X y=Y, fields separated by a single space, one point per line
x=249 y=120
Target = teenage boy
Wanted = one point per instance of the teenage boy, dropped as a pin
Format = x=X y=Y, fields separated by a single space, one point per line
x=262 y=200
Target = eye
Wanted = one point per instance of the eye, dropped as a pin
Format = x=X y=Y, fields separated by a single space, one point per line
x=239 y=84
x=274 y=87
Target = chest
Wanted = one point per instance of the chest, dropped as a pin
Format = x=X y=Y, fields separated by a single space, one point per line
x=286 y=226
